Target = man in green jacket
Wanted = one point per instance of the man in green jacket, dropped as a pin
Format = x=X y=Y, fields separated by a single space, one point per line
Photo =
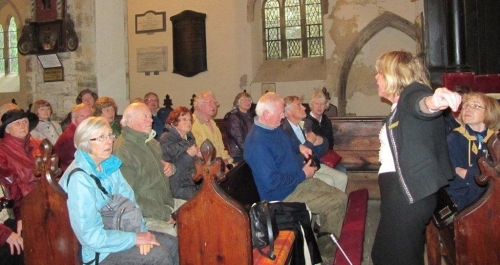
x=144 y=169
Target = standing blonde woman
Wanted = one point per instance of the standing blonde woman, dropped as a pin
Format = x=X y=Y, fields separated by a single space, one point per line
x=46 y=128
x=413 y=155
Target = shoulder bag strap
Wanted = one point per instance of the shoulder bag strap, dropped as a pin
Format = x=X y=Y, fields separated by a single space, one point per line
x=97 y=181
x=99 y=185
x=270 y=254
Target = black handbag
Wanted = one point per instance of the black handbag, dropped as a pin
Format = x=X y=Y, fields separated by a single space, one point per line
x=445 y=210
x=296 y=216
x=264 y=228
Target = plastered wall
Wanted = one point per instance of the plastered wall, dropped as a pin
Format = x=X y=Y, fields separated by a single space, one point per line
x=235 y=58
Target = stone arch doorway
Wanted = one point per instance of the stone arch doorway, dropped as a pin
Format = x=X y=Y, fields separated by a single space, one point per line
x=386 y=19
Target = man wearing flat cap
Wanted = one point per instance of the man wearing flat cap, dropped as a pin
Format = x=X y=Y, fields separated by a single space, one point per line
x=17 y=166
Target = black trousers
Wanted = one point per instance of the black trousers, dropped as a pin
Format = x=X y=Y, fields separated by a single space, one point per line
x=5 y=257
x=400 y=235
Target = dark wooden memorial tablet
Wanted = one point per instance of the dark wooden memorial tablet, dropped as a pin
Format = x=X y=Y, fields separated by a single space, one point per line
x=189 y=43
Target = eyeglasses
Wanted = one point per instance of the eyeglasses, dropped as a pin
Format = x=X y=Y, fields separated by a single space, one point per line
x=246 y=100
x=152 y=99
x=472 y=106
x=211 y=102
x=104 y=137
x=185 y=119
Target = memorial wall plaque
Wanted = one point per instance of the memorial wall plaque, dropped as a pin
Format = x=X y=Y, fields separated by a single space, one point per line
x=189 y=43
x=152 y=59
x=150 y=22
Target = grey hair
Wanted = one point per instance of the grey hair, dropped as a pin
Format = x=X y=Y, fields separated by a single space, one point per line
x=288 y=103
x=267 y=102
x=85 y=131
x=200 y=98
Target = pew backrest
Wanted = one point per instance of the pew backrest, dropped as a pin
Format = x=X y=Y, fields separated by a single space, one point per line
x=47 y=233
x=222 y=234
x=475 y=239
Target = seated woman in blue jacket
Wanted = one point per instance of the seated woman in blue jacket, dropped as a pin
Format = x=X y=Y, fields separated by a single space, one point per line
x=480 y=117
x=94 y=141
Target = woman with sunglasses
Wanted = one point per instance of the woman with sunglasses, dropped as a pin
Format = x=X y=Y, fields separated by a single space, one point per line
x=480 y=117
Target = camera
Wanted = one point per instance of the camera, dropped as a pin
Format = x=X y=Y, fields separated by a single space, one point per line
x=6 y=203
x=315 y=162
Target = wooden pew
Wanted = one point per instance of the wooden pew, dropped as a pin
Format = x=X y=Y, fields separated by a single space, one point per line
x=215 y=229
x=238 y=186
x=473 y=237
x=47 y=233
x=356 y=140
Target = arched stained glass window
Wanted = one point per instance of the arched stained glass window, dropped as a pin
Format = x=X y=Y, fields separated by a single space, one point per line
x=272 y=29
x=293 y=28
x=2 y=50
x=314 y=27
x=13 y=62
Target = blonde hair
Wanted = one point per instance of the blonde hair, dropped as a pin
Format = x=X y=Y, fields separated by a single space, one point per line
x=400 y=69
x=317 y=96
x=491 y=108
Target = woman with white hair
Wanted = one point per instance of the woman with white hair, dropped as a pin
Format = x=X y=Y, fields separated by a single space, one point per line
x=94 y=141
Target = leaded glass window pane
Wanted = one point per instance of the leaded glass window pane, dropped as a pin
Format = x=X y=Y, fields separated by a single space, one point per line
x=272 y=29
x=293 y=28
x=314 y=28
x=2 y=59
x=13 y=62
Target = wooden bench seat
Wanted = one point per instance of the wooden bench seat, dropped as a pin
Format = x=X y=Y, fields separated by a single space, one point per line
x=282 y=249
x=472 y=238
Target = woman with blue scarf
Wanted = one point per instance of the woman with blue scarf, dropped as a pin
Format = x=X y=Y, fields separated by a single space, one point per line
x=94 y=142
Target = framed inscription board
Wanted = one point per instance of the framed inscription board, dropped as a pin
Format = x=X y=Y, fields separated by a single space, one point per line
x=150 y=22
x=53 y=69
x=189 y=43
x=152 y=59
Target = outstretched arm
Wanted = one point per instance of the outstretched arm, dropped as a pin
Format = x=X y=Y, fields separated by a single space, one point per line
x=440 y=100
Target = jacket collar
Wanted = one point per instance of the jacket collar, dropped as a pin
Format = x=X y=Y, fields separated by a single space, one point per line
x=108 y=166
x=136 y=136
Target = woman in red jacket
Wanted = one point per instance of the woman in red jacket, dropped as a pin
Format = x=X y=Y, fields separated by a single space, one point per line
x=17 y=164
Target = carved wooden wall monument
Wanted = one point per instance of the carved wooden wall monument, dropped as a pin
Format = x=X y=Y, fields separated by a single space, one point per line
x=50 y=30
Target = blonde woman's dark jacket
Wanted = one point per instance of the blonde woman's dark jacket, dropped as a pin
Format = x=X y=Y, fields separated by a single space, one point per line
x=418 y=144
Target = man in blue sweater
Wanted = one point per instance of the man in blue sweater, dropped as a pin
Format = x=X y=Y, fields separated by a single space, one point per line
x=280 y=176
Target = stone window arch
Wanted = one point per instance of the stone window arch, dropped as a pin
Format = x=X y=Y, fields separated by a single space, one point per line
x=386 y=19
